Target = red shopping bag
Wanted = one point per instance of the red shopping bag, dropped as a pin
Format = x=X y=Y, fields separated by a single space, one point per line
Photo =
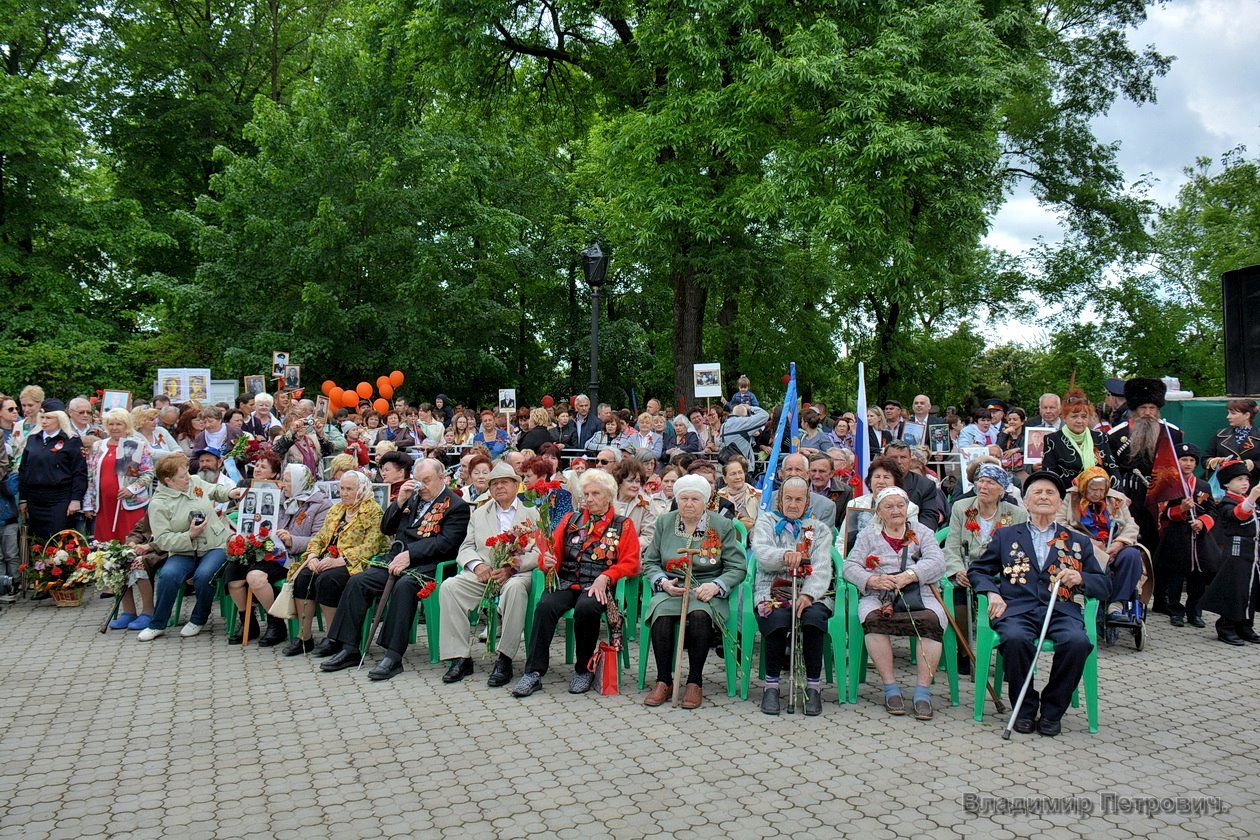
x=604 y=665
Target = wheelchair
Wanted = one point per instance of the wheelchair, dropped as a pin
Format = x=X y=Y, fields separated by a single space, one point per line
x=1133 y=620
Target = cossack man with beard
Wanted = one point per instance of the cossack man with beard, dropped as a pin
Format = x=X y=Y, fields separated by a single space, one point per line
x=1134 y=444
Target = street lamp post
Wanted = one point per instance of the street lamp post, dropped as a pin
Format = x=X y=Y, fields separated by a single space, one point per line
x=595 y=267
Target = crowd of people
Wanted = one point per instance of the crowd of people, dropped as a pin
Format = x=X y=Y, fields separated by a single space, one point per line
x=668 y=503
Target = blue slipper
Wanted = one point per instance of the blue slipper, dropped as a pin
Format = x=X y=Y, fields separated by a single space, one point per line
x=141 y=622
x=123 y=621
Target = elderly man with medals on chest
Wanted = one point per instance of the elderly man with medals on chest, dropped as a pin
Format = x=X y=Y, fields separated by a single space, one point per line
x=427 y=523
x=1015 y=571
x=500 y=513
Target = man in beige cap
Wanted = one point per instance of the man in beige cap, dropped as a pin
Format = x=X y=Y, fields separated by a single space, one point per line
x=463 y=592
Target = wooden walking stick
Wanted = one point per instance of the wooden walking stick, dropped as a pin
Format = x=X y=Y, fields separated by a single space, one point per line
x=382 y=605
x=962 y=640
x=246 y=614
x=682 y=622
x=1032 y=666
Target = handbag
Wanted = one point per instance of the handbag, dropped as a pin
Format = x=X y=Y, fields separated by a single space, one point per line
x=282 y=607
x=604 y=666
x=910 y=598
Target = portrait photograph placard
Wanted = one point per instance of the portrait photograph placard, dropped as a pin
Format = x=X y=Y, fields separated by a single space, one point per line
x=1035 y=444
x=255 y=384
x=115 y=399
x=970 y=454
x=707 y=377
x=279 y=361
x=507 y=399
x=938 y=437
x=260 y=507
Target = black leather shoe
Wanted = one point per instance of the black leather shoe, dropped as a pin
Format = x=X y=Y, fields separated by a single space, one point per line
x=1195 y=620
x=813 y=702
x=1025 y=726
x=347 y=658
x=501 y=673
x=770 y=701
x=1247 y=634
x=386 y=668
x=1049 y=728
x=1229 y=637
x=1176 y=621
x=326 y=647
x=459 y=669
x=275 y=633
x=237 y=634
x=297 y=647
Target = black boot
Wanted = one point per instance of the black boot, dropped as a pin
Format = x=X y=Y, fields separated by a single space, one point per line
x=501 y=673
x=277 y=632
x=1229 y=637
x=459 y=669
x=1247 y=633
x=297 y=647
x=1195 y=619
x=237 y=634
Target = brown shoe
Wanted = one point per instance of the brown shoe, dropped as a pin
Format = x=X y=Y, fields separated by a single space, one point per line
x=659 y=695
x=692 y=697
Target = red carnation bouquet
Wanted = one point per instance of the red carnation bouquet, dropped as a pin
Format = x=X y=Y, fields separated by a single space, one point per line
x=254 y=548
x=506 y=550
x=538 y=495
x=61 y=564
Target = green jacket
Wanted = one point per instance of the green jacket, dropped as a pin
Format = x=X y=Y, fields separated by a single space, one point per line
x=170 y=515
x=722 y=561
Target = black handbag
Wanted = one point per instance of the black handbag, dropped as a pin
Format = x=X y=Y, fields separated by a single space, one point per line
x=909 y=599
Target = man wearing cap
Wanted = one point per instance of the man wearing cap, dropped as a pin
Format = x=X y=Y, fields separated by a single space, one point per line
x=459 y=594
x=1188 y=554
x=1134 y=444
x=997 y=412
x=208 y=463
x=893 y=417
x=1234 y=594
x=1114 y=410
x=427 y=523
x=1015 y=571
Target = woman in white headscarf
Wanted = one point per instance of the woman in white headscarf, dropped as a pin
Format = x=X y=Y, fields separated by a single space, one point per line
x=891 y=565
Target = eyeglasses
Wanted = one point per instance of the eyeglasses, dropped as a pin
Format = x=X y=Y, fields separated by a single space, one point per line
x=604 y=461
x=10 y=408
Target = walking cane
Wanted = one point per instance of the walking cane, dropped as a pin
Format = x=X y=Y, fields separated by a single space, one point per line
x=246 y=615
x=395 y=549
x=1032 y=667
x=791 y=704
x=962 y=640
x=682 y=625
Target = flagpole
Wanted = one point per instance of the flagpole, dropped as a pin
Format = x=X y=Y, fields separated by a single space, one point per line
x=789 y=399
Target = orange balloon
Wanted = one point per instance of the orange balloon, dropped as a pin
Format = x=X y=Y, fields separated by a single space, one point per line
x=396 y=379
x=364 y=390
x=381 y=382
x=381 y=405
x=349 y=399
x=334 y=396
x=327 y=386
x=387 y=390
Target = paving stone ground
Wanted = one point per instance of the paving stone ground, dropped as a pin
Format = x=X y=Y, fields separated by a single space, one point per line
x=102 y=736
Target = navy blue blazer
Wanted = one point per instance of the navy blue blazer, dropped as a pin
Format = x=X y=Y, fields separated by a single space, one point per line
x=1012 y=546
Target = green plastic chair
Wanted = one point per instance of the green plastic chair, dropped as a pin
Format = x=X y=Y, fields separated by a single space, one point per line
x=835 y=655
x=987 y=652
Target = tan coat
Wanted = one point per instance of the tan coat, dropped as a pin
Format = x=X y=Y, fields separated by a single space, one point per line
x=484 y=524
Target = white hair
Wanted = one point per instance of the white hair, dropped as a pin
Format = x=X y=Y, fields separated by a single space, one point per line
x=603 y=479
x=434 y=464
x=1048 y=396
x=263 y=399
x=122 y=415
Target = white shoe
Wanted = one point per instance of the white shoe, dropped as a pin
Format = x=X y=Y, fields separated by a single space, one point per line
x=148 y=634
x=190 y=629
x=485 y=631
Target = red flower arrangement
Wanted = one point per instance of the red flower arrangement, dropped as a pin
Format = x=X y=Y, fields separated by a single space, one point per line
x=253 y=548
x=872 y=562
x=426 y=589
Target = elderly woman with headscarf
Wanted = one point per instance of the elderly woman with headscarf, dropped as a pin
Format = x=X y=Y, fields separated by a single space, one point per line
x=350 y=536
x=891 y=565
x=882 y=473
x=709 y=542
x=790 y=543
x=592 y=548
x=120 y=478
x=1101 y=513
x=1076 y=446
x=52 y=480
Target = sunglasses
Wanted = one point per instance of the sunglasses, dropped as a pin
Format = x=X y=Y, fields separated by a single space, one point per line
x=604 y=461
x=10 y=408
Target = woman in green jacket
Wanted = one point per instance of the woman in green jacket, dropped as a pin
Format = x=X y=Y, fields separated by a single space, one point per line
x=186 y=526
x=717 y=570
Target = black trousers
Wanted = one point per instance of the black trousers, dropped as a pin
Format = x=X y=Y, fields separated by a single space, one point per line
x=1195 y=583
x=551 y=607
x=699 y=640
x=1018 y=636
x=325 y=588
x=361 y=591
x=774 y=639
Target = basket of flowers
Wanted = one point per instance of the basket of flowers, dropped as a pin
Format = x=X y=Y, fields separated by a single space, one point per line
x=61 y=568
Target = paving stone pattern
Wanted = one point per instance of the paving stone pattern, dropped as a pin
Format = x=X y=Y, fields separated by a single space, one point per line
x=104 y=736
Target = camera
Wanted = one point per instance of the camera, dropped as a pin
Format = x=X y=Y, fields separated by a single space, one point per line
x=198 y=517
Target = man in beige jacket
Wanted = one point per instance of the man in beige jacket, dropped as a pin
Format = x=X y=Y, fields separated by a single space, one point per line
x=457 y=595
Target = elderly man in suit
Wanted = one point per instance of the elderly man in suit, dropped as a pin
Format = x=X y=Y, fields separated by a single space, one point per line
x=1015 y=571
x=500 y=511
x=427 y=523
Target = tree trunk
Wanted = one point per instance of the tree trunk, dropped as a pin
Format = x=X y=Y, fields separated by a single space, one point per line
x=726 y=318
x=886 y=338
x=690 y=298
x=573 y=341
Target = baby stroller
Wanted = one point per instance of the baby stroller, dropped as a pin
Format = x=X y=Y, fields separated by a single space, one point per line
x=1133 y=619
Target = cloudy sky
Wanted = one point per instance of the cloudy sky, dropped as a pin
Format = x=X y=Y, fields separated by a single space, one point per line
x=1208 y=103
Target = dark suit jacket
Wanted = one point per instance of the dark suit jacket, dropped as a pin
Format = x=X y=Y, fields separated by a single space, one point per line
x=426 y=552
x=1062 y=459
x=1015 y=542
x=924 y=493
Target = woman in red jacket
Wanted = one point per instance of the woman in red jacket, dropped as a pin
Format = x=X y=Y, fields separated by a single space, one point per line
x=596 y=548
